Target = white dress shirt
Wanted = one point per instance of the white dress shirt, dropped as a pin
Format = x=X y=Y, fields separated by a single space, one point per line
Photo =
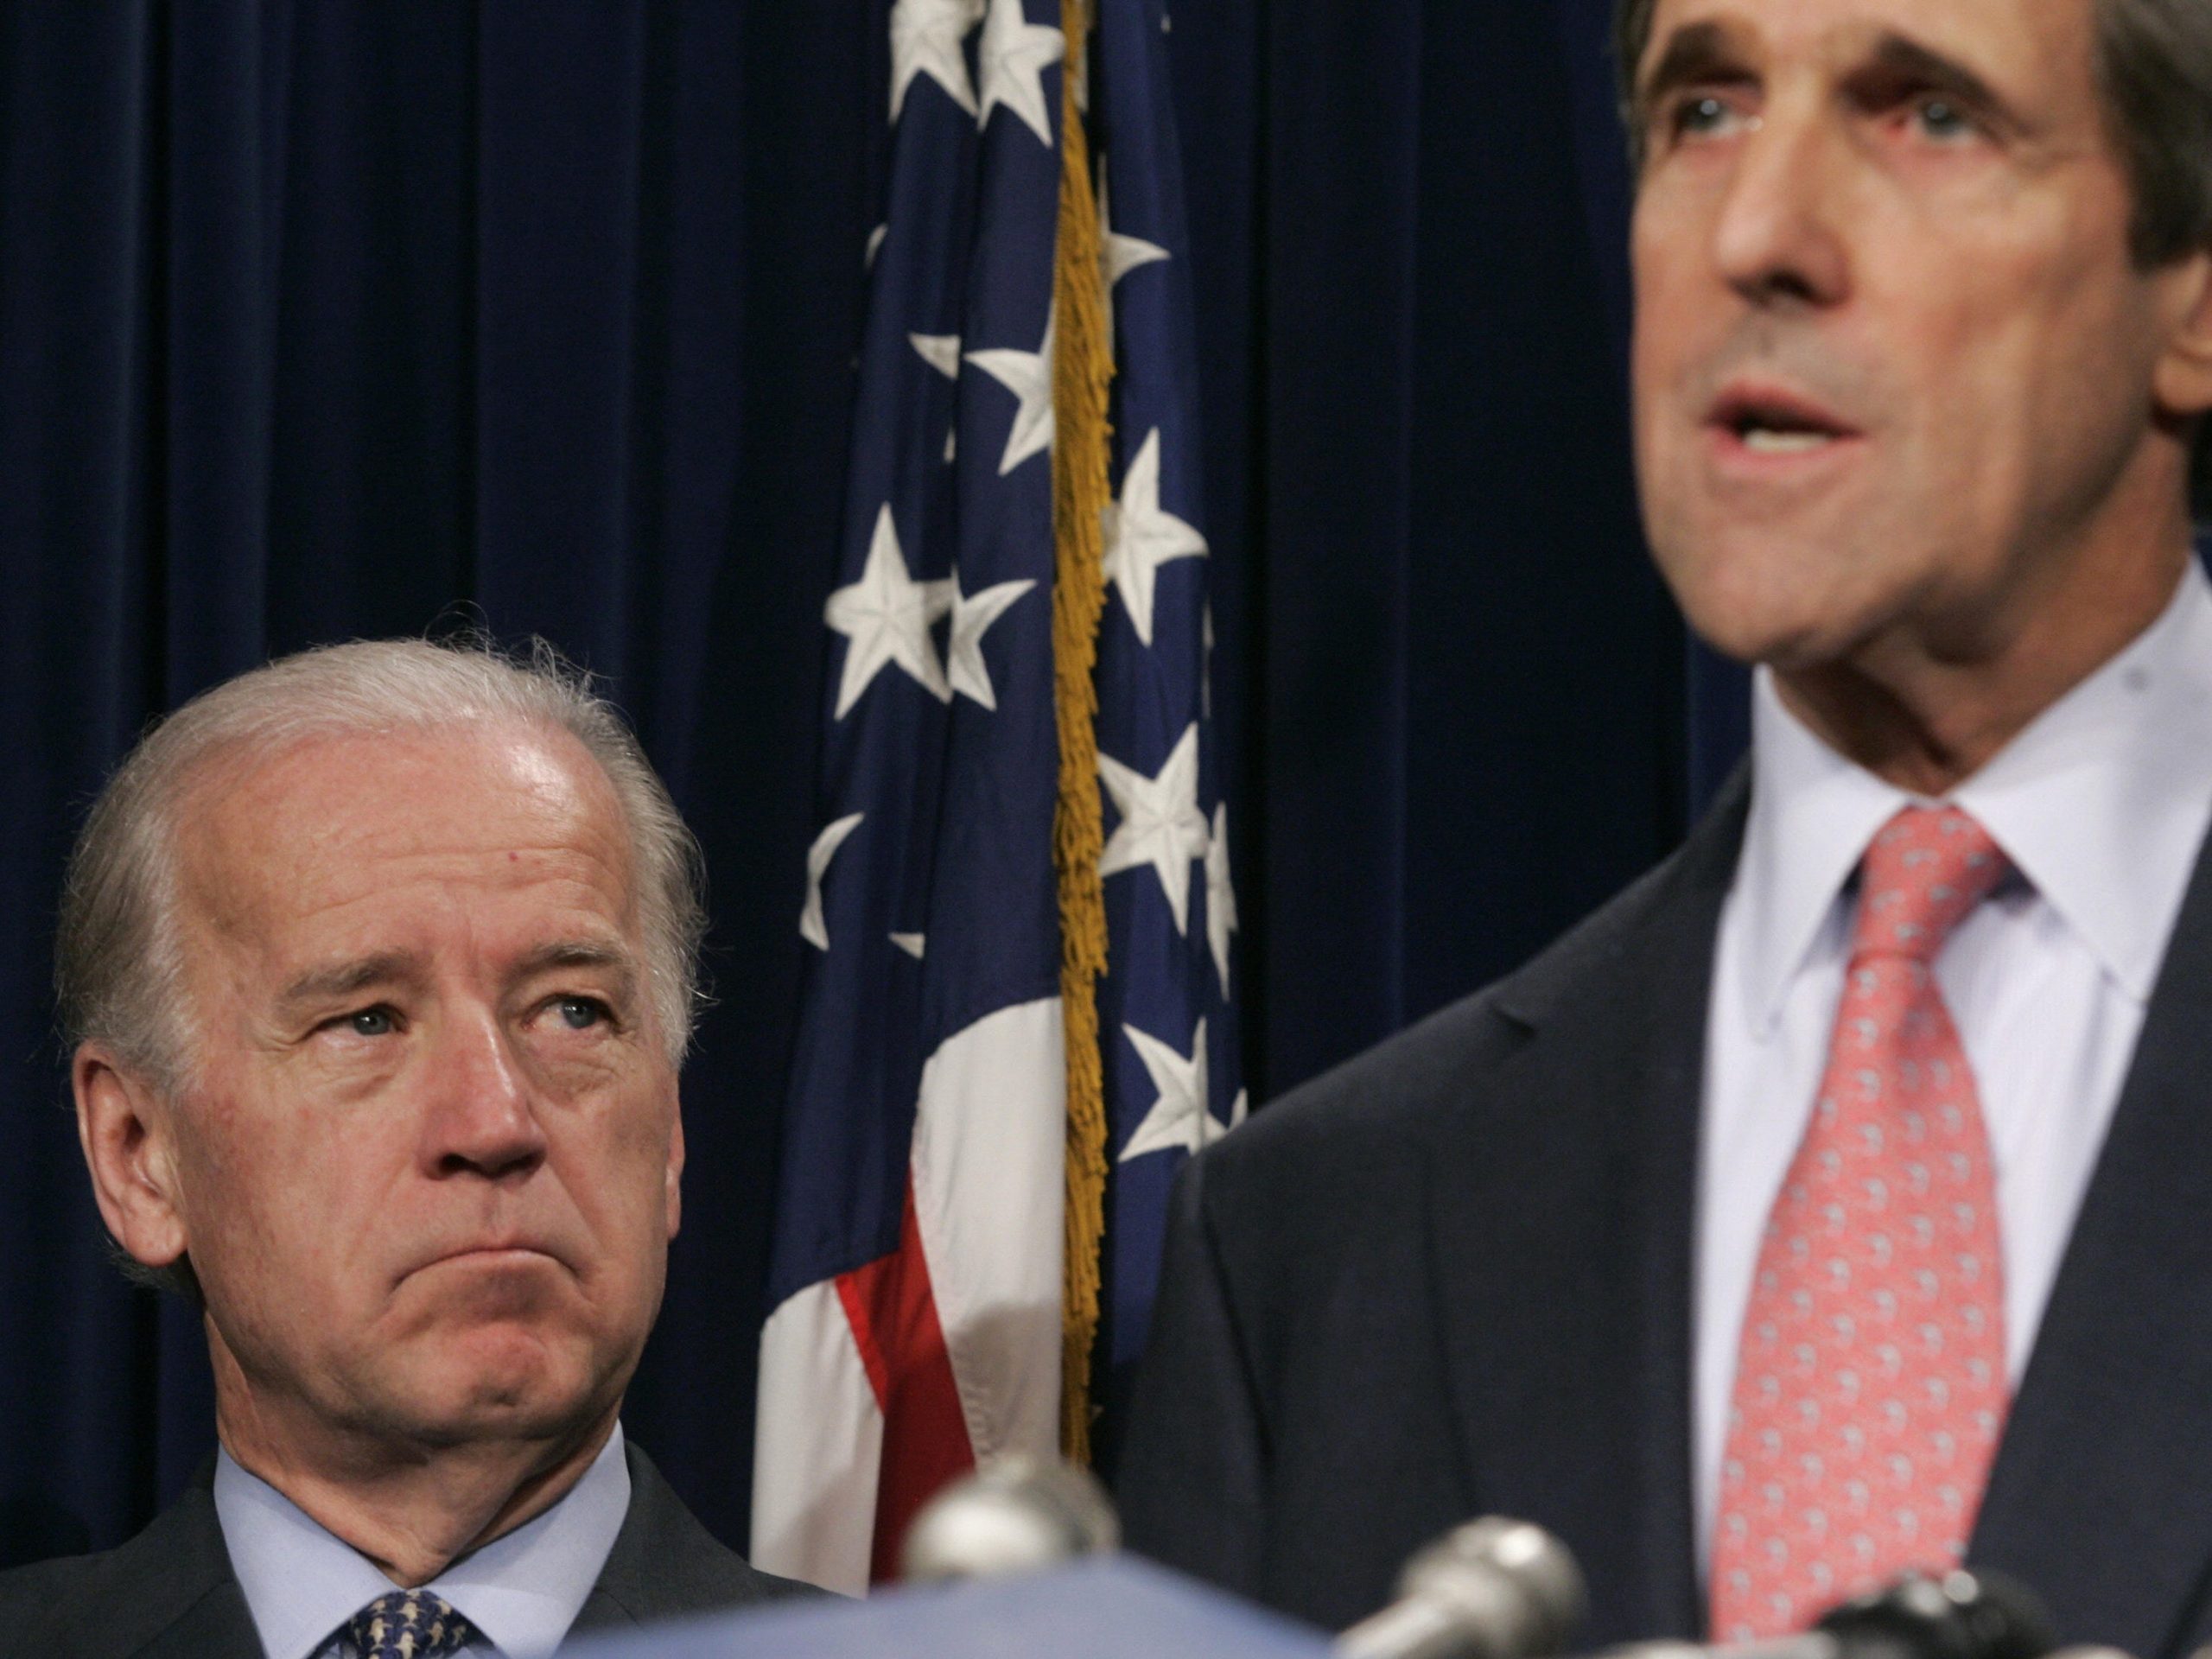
x=2102 y=805
x=523 y=1591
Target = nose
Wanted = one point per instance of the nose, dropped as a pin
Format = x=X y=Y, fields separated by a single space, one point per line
x=483 y=1117
x=1778 y=239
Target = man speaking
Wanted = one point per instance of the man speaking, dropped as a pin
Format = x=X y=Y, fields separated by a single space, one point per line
x=380 y=963
x=1835 y=1202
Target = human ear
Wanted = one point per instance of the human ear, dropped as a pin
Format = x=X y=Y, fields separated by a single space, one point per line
x=2182 y=382
x=123 y=1125
x=675 y=1174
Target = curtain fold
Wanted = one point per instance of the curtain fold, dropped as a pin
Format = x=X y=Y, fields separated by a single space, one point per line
x=322 y=319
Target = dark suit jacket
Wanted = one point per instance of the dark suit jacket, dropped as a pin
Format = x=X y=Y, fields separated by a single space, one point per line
x=169 y=1593
x=1452 y=1277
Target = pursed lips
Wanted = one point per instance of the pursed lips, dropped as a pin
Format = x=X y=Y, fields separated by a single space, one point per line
x=491 y=1252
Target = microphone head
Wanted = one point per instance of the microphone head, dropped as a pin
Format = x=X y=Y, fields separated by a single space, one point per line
x=1014 y=1515
x=1959 y=1615
x=1511 y=1579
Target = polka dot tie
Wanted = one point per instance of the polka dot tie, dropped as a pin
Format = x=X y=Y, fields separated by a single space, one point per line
x=409 y=1624
x=1871 y=1382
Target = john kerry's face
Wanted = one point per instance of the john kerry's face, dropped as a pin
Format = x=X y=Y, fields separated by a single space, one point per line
x=426 y=1163
x=1893 y=363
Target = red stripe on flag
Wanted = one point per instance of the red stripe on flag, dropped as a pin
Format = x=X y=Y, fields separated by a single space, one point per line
x=893 y=1315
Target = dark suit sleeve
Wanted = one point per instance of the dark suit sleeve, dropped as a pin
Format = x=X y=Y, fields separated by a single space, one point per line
x=1193 y=1471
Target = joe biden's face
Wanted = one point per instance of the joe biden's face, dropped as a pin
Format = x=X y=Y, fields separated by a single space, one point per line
x=425 y=1156
x=1896 y=371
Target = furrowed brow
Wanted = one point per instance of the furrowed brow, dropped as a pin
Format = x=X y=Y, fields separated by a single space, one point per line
x=1694 y=53
x=593 y=956
x=338 y=981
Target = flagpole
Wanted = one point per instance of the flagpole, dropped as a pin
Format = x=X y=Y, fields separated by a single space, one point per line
x=1083 y=370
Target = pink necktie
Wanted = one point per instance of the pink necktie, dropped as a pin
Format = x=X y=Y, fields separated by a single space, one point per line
x=1871 y=1382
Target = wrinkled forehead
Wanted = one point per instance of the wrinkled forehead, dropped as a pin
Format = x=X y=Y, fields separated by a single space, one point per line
x=2025 y=46
x=326 y=820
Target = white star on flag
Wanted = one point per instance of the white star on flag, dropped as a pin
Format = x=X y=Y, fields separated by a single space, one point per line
x=1179 y=1118
x=1139 y=538
x=911 y=944
x=1014 y=56
x=811 y=927
x=1221 y=895
x=1028 y=376
x=1118 y=254
x=972 y=616
x=887 y=615
x=1160 y=825
x=926 y=37
x=940 y=351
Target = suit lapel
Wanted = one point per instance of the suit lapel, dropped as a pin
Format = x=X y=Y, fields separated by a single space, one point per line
x=665 y=1565
x=1561 y=1214
x=2101 y=1499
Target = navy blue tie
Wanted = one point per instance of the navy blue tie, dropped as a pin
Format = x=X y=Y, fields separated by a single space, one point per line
x=409 y=1624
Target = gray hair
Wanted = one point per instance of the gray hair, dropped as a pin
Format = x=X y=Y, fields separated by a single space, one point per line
x=2154 y=73
x=118 y=971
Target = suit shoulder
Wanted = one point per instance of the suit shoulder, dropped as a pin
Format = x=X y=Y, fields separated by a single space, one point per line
x=172 y=1581
x=27 y=1592
x=1442 y=1063
x=665 y=1564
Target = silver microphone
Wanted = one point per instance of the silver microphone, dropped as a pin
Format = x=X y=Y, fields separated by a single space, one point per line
x=1959 y=1614
x=1014 y=1515
x=1491 y=1589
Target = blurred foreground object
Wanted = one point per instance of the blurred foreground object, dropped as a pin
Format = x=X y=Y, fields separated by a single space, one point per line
x=1014 y=1515
x=1492 y=1589
x=1959 y=1615
x=1108 y=1607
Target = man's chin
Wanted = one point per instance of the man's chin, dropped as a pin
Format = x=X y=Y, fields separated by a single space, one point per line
x=499 y=1380
x=1786 y=638
x=1768 y=610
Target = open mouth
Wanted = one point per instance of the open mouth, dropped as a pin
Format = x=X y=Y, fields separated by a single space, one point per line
x=1777 y=424
x=1783 y=441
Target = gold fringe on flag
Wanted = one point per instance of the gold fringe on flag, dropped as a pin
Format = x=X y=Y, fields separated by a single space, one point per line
x=1082 y=367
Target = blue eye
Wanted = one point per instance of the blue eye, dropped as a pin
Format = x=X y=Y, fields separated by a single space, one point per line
x=1941 y=119
x=1700 y=114
x=580 y=1012
x=370 y=1022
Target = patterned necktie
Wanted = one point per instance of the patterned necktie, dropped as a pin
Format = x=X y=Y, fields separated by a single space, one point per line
x=1871 y=1381
x=409 y=1624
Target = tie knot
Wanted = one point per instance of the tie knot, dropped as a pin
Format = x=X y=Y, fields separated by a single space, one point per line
x=1923 y=871
x=409 y=1624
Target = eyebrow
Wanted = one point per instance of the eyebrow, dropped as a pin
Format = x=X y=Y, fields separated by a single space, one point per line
x=338 y=981
x=616 y=961
x=1704 y=52
x=1694 y=52
x=1896 y=57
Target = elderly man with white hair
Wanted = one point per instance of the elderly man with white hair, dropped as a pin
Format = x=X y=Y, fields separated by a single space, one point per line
x=379 y=963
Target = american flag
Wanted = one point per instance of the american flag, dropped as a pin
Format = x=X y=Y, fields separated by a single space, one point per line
x=917 y=1270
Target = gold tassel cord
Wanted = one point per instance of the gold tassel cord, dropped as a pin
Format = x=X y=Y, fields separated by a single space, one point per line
x=1083 y=368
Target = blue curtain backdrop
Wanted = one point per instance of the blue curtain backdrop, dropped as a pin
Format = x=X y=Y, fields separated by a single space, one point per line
x=333 y=318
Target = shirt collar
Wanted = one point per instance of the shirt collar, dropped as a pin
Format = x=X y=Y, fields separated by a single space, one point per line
x=523 y=1590
x=2100 y=803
